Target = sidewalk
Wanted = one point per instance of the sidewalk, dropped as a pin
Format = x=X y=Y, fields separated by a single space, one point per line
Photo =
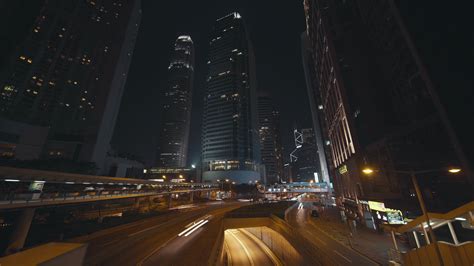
x=366 y=241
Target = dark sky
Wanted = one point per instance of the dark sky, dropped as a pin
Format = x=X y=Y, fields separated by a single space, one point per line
x=442 y=33
x=274 y=27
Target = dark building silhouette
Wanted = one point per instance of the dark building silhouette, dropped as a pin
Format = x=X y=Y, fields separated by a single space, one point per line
x=304 y=159
x=229 y=131
x=270 y=139
x=69 y=74
x=176 y=106
x=379 y=108
x=316 y=111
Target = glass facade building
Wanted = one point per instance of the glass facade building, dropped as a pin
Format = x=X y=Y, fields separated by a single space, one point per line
x=176 y=106
x=270 y=139
x=230 y=146
x=69 y=74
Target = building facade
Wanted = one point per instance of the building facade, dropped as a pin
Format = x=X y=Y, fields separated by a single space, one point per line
x=316 y=111
x=230 y=147
x=270 y=139
x=304 y=159
x=69 y=74
x=176 y=106
x=378 y=108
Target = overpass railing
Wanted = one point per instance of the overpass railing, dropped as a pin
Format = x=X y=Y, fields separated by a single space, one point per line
x=35 y=198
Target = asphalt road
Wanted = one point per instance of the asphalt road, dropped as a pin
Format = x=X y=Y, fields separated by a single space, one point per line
x=244 y=250
x=299 y=217
x=155 y=239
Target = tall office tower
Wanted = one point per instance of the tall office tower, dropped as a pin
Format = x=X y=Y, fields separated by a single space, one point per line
x=304 y=159
x=176 y=106
x=230 y=148
x=270 y=139
x=378 y=108
x=318 y=123
x=69 y=74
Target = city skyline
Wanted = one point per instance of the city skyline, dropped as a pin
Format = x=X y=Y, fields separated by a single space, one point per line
x=132 y=106
x=239 y=132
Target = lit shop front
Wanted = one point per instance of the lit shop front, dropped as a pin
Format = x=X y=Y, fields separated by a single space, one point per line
x=376 y=214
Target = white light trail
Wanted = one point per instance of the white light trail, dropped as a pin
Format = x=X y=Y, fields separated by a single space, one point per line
x=189 y=228
x=12 y=180
x=197 y=227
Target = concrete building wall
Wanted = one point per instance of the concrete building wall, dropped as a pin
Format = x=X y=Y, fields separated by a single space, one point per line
x=26 y=141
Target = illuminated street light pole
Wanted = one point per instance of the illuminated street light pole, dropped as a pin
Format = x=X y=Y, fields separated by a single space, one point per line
x=421 y=201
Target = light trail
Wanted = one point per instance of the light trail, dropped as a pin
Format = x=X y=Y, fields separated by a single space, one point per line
x=244 y=247
x=196 y=228
x=190 y=228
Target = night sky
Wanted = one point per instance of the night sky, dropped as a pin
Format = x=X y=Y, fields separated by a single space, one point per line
x=442 y=33
x=274 y=27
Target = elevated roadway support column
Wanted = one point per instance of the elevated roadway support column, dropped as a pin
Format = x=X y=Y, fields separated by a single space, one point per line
x=191 y=196
x=136 y=205
x=22 y=226
x=170 y=201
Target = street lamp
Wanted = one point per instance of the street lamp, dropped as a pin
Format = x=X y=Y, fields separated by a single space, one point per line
x=454 y=170
x=367 y=171
x=419 y=196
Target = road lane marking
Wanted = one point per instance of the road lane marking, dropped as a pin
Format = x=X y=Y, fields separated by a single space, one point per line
x=144 y=230
x=316 y=237
x=110 y=243
x=140 y=263
x=335 y=251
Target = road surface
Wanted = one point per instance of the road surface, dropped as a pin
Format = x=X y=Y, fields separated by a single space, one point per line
x=131 y=244
x=244 y=250
x=299 y=217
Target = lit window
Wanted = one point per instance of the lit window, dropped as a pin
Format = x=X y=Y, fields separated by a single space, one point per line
x=8 y=88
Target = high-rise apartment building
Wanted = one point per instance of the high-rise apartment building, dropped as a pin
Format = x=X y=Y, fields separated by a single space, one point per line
x=270 y=139
x=176 y=106
x=69 y=74
x=230 y=148
x=378 y=108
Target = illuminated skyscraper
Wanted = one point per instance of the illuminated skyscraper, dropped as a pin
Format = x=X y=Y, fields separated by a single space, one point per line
x=270 y=139
x=230 y=146
x=176 y=108
x=69 y=74
x=378 y=106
